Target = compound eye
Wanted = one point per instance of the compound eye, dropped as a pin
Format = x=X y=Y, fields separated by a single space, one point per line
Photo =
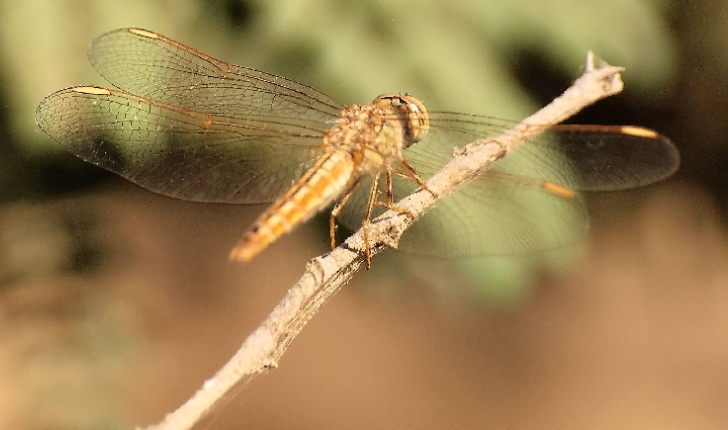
x=392 y=97
x=418 y=120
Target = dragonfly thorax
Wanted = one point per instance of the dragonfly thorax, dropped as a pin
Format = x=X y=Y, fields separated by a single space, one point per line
x=376 y=133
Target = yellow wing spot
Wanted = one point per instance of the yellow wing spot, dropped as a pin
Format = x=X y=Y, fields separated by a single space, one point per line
x=143 y=33
x=559 y=190
x=638 y=131
x=92 y=90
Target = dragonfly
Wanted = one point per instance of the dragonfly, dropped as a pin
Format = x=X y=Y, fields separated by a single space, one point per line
x=187 y=125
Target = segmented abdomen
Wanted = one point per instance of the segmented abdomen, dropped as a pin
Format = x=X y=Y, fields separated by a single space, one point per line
x=318 y=187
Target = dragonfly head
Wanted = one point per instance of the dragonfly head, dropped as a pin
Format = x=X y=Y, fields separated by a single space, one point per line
x=418 y=121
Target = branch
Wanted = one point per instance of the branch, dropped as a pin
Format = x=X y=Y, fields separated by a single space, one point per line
x=326 y=274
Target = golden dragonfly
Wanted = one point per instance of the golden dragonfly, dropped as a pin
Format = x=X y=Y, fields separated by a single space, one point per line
x=187 y=125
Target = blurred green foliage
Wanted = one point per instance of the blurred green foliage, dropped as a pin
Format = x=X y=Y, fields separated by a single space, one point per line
x=452 y=55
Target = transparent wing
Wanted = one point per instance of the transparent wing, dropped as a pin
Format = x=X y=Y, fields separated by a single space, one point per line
x=489 y=216
x=511 y=208
x=179 y=152
x=581 y=157
x=156 y=67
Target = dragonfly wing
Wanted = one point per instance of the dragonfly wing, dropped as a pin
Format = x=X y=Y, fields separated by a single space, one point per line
x=582 y=157
x=524 y=202
x=612 y=158
x=178 y=152
x=501 y=212
x=508 y=210
x=497 y=216
x=156 y=67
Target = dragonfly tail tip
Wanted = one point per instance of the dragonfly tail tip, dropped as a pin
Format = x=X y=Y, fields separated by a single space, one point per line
x=242 y=254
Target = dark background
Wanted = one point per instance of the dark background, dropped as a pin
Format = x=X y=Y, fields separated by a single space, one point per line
x=116 y=303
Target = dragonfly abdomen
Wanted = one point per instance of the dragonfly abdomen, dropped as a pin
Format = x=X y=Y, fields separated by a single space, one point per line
x=319 y=186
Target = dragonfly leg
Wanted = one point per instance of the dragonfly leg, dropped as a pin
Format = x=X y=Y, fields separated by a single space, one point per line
x=390 y=190
x=411 y=174
x=367 y=218
x=338 y=207
x=389 y=202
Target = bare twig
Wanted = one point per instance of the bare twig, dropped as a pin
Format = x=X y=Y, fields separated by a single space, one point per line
x=325 y=275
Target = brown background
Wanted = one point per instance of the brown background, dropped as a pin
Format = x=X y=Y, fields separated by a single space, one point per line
x=116 y=304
